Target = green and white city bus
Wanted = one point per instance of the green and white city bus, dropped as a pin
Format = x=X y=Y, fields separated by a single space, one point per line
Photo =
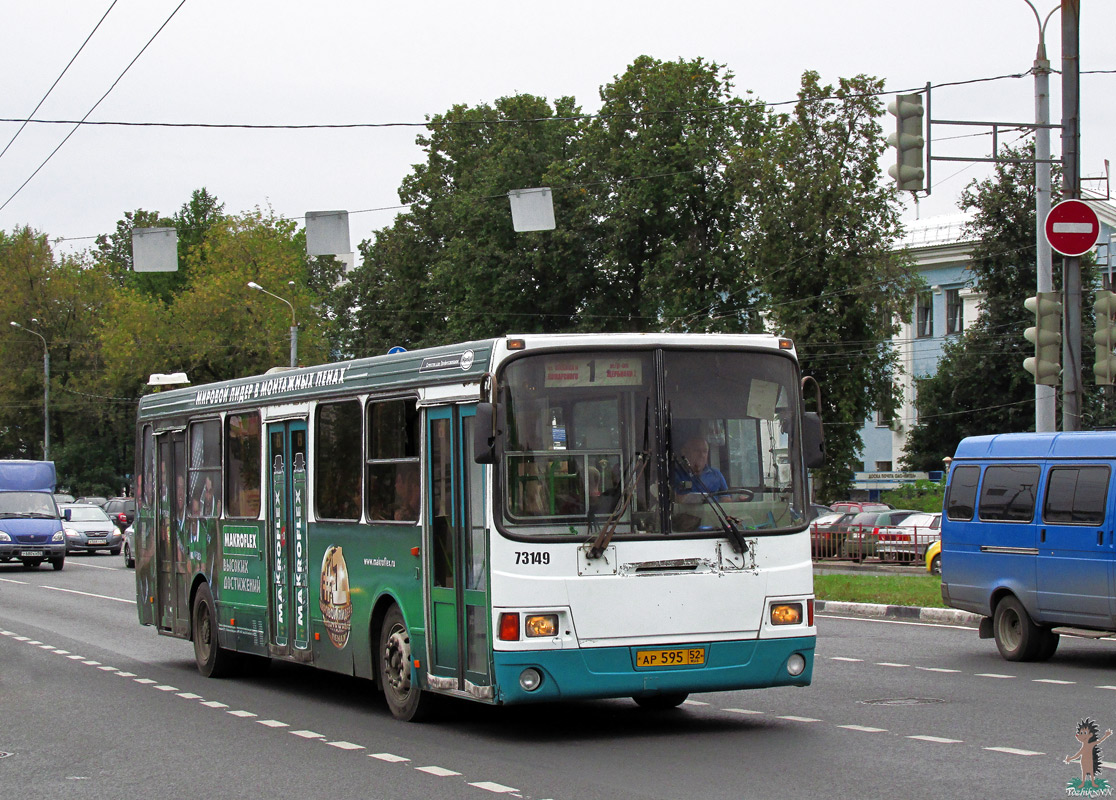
x=521 y=519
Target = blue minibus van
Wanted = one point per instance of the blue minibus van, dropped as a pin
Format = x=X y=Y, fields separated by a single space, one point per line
x=30 y=526
x=1027 y=538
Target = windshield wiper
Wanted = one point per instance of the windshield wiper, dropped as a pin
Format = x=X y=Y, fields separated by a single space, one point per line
x=728 y=522
x=635 y=470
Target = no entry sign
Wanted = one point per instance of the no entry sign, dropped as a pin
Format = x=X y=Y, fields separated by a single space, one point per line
x=1072 y=228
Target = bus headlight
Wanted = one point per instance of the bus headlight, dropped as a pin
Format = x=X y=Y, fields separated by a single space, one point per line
x=541 y=625
x=796 y=664
x=786 y=614
x=530 y=679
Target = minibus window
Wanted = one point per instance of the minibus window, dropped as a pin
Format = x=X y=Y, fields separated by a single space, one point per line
x=1076 y=495
x=1008 y=493
x=962 y=493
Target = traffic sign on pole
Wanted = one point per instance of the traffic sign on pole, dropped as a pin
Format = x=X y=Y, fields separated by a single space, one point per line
x=1072 y=228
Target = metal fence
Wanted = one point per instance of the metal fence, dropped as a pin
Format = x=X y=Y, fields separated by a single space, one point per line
x=857 y=543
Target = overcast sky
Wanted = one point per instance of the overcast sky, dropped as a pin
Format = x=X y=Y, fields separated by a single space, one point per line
x=346 y=61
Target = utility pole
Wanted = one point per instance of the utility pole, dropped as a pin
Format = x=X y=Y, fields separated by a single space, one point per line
x=1071 y=189
x=1045 y=396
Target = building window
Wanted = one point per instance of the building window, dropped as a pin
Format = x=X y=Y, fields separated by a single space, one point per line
x=883 y=466
x=924 y=315
x=883 y=419
x=955 y=318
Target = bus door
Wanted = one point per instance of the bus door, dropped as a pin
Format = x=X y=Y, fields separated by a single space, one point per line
x=456 y=551
x=288 y=548
x=172 y=595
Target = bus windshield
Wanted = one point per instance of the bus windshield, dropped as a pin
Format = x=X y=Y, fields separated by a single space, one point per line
x=655 y=442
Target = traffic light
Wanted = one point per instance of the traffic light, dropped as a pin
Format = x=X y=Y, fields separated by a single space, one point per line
x=1104 y=367
x=908 y=142
x=1046 y=336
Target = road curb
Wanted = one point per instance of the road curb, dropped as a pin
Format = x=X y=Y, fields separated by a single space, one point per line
x=942 y=616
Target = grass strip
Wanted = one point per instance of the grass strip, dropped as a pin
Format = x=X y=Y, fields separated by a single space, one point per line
x=924 y=591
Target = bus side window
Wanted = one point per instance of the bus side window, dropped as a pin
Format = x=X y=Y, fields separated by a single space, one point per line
x=961 y=501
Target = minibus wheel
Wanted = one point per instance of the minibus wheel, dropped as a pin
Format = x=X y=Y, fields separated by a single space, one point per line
x=1018 y=638
x=405 y=698
x=661 y=702
x=213 y=661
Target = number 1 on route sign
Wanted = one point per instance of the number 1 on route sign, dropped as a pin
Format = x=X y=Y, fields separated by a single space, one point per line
x=1072 y=228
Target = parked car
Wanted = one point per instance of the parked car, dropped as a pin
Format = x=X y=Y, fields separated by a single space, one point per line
x=815 y=511
x=862 y=531
x=826 y=534
x=95 y=501
x=130 y=547
x=855 y=506
x=61 y=497
x=121 y=510
x=89 y=529
x=934 y=558
x=909 y=540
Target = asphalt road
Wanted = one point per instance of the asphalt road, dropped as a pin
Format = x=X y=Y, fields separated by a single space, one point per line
x=92 y=705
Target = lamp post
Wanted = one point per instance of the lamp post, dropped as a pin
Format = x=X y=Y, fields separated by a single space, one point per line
x=294 y=325
x=46 y=388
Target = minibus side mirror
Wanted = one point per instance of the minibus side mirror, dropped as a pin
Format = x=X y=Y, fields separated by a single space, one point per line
x=67 y=514
x=485 y=434
x=813 y=440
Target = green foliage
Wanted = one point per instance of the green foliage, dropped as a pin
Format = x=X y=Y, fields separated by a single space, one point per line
x=919 y=496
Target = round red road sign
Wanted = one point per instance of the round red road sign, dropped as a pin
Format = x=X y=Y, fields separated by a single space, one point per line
x=1072 y=228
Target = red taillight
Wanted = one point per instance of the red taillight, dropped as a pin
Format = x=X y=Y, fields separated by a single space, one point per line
x=509 y=627
x=810 y=612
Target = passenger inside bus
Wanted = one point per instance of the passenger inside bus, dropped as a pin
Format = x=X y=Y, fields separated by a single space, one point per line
x=407 y=494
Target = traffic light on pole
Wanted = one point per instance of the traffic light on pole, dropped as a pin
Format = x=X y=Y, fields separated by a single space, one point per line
x=1046 y=336
x=908 y=142
x=1104 y=366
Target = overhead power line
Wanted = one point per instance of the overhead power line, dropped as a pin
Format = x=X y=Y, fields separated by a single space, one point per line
x=56 y=80
x=94 y=106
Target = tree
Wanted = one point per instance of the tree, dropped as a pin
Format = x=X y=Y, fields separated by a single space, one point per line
x=819 y=235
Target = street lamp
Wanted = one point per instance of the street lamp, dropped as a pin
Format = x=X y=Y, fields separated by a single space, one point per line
x=46 y=389
x=294 y=325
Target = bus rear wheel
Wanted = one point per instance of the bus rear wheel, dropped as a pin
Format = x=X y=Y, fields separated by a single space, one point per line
x=213 y=660
x=406 y=700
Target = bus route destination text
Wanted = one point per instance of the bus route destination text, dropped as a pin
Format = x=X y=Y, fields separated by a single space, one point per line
x=268 y=387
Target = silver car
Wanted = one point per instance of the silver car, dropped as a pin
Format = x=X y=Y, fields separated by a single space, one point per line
x=130 y=547
x=89 y=529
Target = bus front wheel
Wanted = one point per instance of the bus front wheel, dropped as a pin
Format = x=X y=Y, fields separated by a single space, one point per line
x=406 y=700
x=1018 y=638
x=661 y=702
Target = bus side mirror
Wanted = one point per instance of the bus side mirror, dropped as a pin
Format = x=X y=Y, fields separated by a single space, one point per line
x=813 y=439
x=485 y=434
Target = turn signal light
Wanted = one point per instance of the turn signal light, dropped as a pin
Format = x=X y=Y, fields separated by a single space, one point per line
x=542 y=625
x=786 y=614
x=509 y=627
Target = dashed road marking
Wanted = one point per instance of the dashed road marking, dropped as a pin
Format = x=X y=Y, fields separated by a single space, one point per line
x=996 y=675
x=863 y=728
x=391 y=758
x=892 y=664
x=742 y=711
x=489 y=786
x=799 y=719
x=694 y=703
x=1053 y=681
x=166 y=688
x=441 y=772
x=215 y=704
x=145 y=681
x=126 y=674
x=273 y=723
x=341 y=745
x=243 y=714
x=306 y=734
x=189 y=696
x=843 y=658
x=936 y=739
x=90 y=662
x=937 y=669
x=1014 y=751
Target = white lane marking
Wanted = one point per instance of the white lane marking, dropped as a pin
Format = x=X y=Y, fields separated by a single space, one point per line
x=92 y=663
x=441 y=772
x=741 y=711
x=345 y=745
x=489 y=786
x=937 y=739
x=1014 y=751
x=937 y=669
x=863 y=728
x=124 y=674
x=13 y=580
x=273 y=723
x=243 y=714
x=75 y=657
x=994 y=675
x=23 y=638
x=799 y=719
x=166 y=688
x=688 y=703
x=1107 y=687
x=215 y=704
x=189 y=696
x=891 y=664
x=391 y=758
x=844 y=658
x=62 y=652
x=107 y=669
x=72 y=563
x=307 y=734
x=90 y=594
x=1053 y=681
x=35 y=641
x=145 y=681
